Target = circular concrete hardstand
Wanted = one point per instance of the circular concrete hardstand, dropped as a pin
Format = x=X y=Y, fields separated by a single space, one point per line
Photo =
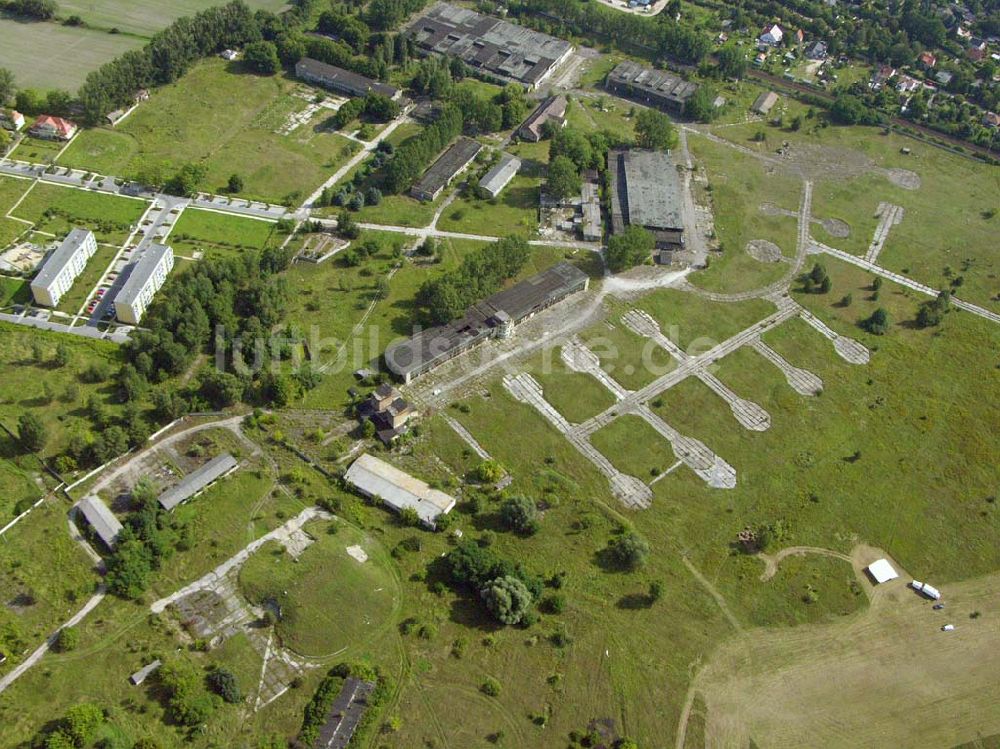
x=836 y=228
x=764 y=251
x=904 y=178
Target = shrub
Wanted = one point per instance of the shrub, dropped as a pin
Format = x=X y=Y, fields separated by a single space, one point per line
x=520 y=514
x=629 y=551
x=490 y=687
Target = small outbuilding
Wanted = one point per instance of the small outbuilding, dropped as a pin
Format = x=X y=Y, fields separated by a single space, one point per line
x=764 y=103
x=881 y=571
x=101 y=519
x=497 y=178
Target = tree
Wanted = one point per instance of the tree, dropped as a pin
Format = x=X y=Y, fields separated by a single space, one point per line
x=629 y=551
x=655 y=591
x=654 y=130
x=507 y=598
x=235 y=183
x=701 y=105
x=66 y=640
x=630 y=248
x=63 y=355
x=878 y=323
x=32 y=432
x=129 y=568
x=489 y=472
x=223 y=682
x=7 y=86
x=347 y=227
x=262 y=57
x=82 y=722
x=732 y=61
x=519 y=513
x=563 y=179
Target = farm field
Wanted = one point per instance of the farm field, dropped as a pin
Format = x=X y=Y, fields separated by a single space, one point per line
x=56 y=210
x=145 y=17
x=70 y=53
x=224 y=119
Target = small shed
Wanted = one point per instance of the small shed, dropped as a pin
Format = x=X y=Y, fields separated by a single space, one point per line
x=143 y=673
x=101 y=519
x=881 y=571
x=765 y=102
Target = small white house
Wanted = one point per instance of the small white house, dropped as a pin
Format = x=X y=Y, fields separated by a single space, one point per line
x=772 y=36
x=881 y=571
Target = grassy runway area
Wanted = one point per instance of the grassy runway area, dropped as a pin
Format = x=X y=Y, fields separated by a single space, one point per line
x=922 y=245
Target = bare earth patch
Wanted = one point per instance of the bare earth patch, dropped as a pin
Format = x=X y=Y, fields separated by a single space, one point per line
x=836 y=228
x=903 y=178
x=764 y=251
x=358 y=553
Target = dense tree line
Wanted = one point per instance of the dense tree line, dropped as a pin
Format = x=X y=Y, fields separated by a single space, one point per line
x=416 y=153
x=371 y=106
x=481 y=274
x=660 y=36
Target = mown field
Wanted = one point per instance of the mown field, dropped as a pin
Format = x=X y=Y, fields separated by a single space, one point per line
x=57 y=210
x=224 y=119
x=69 y=53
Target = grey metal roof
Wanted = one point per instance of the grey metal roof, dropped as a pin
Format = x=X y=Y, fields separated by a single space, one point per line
x=499 y=47
x=60 y=257
x=398 y=489
x=101 y=519
x=645 y=190
x=345 y=714
x=427 y=348
x=455 y=158
x=502 y=172
x=140 y=272
x=339 y=79
x=661 y=86
x=552 y=108
x=197 y=480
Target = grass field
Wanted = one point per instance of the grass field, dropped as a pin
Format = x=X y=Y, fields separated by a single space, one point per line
x=70 y=53
x=39 y=590
x=697 y=324
x=14 y=291
x=22 y=478
x=224 y=119
x=55 y=394
x=576 y=395
x=739 y=185
x=634 y=447
x=200 y=227
x=515 y=210
x=38 y=150
x=328 y=600
x=57 y=209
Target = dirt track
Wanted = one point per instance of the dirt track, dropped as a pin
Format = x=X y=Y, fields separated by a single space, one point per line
x=885 y=677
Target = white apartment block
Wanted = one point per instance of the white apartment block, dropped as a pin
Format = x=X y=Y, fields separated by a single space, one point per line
x=62 y=267
x=145 y=277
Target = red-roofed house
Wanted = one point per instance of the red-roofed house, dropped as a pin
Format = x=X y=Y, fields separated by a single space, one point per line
x=53 y=128
x=927 y=59
x=11 y=119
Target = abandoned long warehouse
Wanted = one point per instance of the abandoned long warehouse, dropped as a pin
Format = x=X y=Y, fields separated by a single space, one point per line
x=659 y=88
x=646 y=191
x=503 y=50
x=494 y=317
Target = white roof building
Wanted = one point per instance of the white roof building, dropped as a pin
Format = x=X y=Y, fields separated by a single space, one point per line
x=377 y=479
x=146 y=276
x=497 y=178
x=61 y=268
x=101 y=519
x=772 y=35
x=881 y=571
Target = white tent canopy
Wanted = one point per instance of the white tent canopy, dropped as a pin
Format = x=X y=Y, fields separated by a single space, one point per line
x=882 y=571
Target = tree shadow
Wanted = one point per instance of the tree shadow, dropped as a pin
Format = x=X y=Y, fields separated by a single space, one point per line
x=633 y=601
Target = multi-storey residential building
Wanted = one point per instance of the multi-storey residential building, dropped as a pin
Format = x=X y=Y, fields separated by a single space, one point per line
x=145 y=277
x=62 y=267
